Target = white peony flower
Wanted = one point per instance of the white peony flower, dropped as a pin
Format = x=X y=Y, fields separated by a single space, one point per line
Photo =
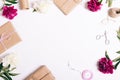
x=41 y=6
x=10 y=59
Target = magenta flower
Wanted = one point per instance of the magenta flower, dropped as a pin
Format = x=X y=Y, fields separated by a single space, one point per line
x=105 y=66
x=9 y=12
x=94 y=5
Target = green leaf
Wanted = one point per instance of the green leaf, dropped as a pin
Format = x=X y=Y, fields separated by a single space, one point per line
x=8 y=4
x=11 y=1
x=116 y=59
x=34 y=10
x=8 y=76
x=106 y=55
x=118 y=52
x=1 y=66
x=118 y=37
x=8 y=66
x=13 y=69
x=13 y=74
x=4 y=77
x=6 y=69
x=6 y=73
x=116 y=65
x=100 y=1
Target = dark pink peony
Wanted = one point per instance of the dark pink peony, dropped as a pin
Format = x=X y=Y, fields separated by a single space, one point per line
x=105 y=66
x=94 y=5
x=9 y=12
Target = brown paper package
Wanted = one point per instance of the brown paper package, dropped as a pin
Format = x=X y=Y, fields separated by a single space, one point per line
x=66 y=6
x=42 y=73
x=8 y=36
x=24 y=4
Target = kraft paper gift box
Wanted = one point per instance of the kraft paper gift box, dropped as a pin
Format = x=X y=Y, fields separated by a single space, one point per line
x=42 y=73
x=8 y=36
x=66 y=6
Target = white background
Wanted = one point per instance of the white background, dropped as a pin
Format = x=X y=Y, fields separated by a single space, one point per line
x=54 y=39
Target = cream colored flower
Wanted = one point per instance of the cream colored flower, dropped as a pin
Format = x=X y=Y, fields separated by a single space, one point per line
x=10 y=59
x=41 y=6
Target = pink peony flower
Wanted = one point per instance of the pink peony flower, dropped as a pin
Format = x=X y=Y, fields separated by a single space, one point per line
x=9 y=12
x=105 y=66
x=94 y=5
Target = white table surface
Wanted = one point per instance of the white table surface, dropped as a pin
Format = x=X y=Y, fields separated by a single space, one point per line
x=53 y=39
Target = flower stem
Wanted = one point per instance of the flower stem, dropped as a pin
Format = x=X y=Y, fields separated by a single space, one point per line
x=116 y=59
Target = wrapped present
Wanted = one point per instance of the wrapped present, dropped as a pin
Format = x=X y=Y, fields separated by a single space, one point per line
x=66 y=5
x=42 y=73
x=8 y=36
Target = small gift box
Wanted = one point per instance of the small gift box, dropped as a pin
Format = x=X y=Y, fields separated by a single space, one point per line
x=8 y=36
x=42 y=73
x=66 y=5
